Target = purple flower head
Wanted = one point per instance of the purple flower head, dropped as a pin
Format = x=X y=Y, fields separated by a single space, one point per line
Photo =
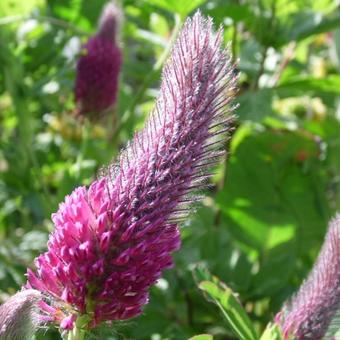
x=19 y=315
x=309 y=314
x=113 y=240
x=98 y=68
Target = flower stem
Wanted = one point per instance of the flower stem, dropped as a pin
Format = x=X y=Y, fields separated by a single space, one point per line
x=76 y=334
x=79 y=330
x=85 y=134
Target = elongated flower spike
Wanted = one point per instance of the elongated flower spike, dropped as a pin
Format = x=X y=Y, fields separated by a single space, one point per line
x=113 y=240
x=19 y=315
x=309 y=314
x=99 y=67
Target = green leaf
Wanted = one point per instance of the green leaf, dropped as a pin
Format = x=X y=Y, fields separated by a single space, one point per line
x=272 y=332
x=305 y=24
x=18 y=7
x=217 y=292
x=159 y=25
x=256 y=105
x=202 y=337
x=286 y=178
x=299 y=86
x=281 y=259
x=235 y=12
x=274 y=201
x=183 y=8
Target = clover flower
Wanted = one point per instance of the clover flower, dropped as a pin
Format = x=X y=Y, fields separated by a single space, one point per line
x=99 y=66
x=113 y=240
x=309 y=314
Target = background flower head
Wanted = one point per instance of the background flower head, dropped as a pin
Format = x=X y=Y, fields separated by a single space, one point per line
x=99 y=65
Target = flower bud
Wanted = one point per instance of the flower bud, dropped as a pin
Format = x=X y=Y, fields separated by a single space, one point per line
x=19 y=315
x=310 y=312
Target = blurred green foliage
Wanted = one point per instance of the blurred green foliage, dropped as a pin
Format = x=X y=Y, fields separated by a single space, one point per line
x=263 y=221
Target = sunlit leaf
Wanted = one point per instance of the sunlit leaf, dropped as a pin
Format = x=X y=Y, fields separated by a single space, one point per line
x=271 y=332
x=231 y=309
x=183 y=7
x=305 y=24
x=217 y=292
x=202 y=337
